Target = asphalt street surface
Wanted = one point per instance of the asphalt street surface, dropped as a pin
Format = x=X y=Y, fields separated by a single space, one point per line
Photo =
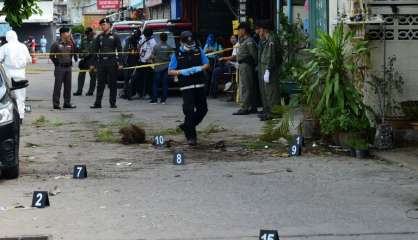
x=135 y=191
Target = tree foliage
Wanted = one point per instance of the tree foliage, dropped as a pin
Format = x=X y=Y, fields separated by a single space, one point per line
x=18 y=10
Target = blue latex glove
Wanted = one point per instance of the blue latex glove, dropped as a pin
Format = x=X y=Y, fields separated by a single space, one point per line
x=186 y=72
x=197 y=69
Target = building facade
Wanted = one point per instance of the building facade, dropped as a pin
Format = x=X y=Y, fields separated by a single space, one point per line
x=38 y=24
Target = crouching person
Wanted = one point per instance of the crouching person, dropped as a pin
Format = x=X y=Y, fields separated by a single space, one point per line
x=188 y=65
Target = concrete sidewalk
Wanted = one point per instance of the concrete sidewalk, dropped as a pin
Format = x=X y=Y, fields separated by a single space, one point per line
x=407 y=157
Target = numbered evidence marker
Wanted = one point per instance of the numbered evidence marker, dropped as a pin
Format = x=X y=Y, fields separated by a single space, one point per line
x=40 y=199
x=300 y=140
x=295 y=150
x=159 y=140
x=28 y=108
x=178 y=158
x=80 y=171
x=268 y=235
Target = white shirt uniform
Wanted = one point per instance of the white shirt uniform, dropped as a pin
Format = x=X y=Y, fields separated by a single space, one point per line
x=146 y=50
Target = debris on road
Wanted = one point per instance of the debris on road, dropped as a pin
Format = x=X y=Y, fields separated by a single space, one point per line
x=126 y=164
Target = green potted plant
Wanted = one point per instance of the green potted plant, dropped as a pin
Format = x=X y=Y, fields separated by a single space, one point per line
x=387 y=113
x=329 y=81
x=359 y=148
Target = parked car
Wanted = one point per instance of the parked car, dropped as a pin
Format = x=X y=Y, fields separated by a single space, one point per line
x=163 y=25
x=9 y=128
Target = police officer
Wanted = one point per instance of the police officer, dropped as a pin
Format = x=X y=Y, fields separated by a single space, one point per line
x=247 y=60
x=188 y=65
x=87 y=59
x=62 y=53
x=269 y=62
x=131 y=85
x=107 y=45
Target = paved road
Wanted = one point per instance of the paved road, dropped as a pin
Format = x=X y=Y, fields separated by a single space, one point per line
x=216 y=195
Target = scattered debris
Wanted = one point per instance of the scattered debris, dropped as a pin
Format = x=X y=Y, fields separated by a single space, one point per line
x=212 y=128
x=264 y=172
x=41 y=121
x=32 y=145
x=127 y=164
x=62 y=177
x=283 y=141
x=220 y=145
x=132 y=134
x=280 y=154
x=105 y=135
x=55 y=191
x=56 y=122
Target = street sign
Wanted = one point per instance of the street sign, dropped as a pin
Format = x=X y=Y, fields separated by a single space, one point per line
x=108 y=4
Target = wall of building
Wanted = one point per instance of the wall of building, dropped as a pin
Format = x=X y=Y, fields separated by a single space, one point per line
x=402 y=41
x=36 y=30
x=162 y=11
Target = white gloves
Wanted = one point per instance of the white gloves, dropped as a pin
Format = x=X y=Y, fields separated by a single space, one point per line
x=267 y=76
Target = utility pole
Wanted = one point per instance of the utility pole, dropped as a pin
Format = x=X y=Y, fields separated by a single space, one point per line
x=242 y=10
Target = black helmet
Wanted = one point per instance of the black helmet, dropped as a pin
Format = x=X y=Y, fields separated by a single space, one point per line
x=64 y=29
x=148 y=32
x=105 y=20
x=88 y=30
x=187 y=37
x=244 y=25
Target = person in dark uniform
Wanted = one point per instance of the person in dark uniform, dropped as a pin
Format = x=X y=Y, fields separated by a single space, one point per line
x=87 y=59
x=131 y=59
x=188 y=65
x=107 y=45
x=65 y=52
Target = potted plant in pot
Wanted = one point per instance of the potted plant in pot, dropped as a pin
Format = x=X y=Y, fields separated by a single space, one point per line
x=330 y=80
x=359 y=148
x=343 y=126
x=387 y=114
x=386 y=89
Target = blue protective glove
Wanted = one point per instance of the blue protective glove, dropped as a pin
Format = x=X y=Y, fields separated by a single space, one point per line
x=197 y=69
x=186 y=72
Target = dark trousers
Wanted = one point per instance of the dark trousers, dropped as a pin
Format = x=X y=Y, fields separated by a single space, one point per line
x=195 y=109
x=160 y=76
x=218 y=75
x=145 y=79
x=82 y=78
x=130 y=84
x=107 y=74
x=62 y=77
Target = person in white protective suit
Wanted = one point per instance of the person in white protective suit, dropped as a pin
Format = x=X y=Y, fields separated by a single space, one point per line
x=15 y=56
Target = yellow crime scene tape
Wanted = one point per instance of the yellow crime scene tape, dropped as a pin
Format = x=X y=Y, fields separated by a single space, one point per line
x=152 y=65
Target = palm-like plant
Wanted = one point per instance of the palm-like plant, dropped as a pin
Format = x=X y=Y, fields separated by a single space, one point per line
x=330 y=77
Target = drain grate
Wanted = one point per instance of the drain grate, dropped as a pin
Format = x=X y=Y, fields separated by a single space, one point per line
x=27 y=238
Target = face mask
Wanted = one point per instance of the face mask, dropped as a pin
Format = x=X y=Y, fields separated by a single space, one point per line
x=188 y=47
